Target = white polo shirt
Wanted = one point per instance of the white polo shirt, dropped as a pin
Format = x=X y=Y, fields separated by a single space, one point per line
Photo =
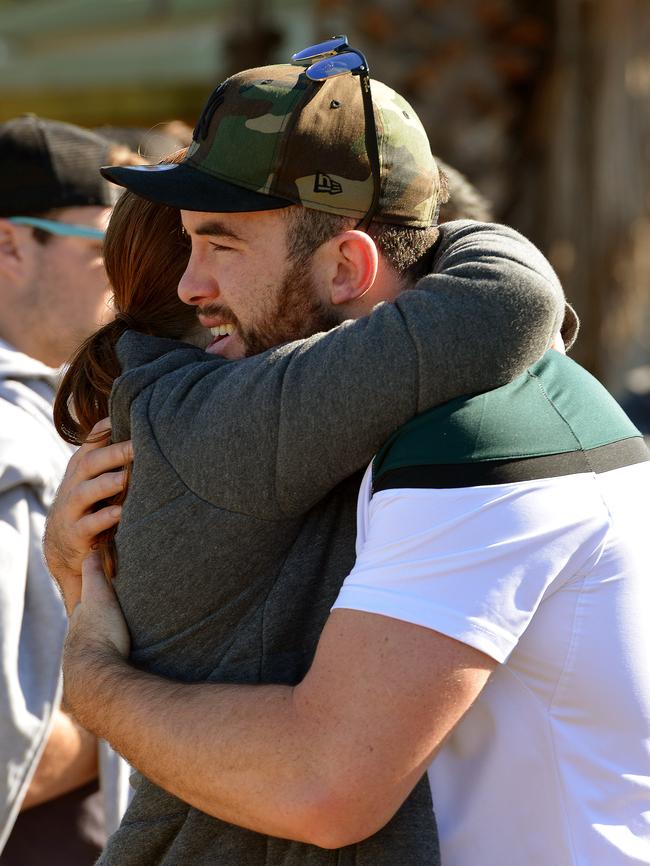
x=551 y=578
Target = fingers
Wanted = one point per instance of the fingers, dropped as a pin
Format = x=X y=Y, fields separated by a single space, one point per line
x=99 y=433
x=87 y=494
x=91 y=525
x=92 y=564
x=93 y=458
x=95 y=473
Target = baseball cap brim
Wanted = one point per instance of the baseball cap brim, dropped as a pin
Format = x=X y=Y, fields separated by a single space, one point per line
x=183 y=186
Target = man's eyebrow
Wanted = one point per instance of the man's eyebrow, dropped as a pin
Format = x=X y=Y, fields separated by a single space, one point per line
x=216 y=228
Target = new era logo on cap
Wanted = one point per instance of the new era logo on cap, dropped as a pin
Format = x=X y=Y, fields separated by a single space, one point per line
x=325 y=183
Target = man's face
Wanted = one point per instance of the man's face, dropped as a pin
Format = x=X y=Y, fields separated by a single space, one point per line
x=245 y=288
x=67 y=293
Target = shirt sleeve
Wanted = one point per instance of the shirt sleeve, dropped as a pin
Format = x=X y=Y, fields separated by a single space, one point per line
x=474 y=563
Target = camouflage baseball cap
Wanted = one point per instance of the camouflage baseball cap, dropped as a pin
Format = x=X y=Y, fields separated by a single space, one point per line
x=271 y=137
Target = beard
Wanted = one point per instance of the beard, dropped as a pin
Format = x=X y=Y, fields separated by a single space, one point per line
x=298 y=313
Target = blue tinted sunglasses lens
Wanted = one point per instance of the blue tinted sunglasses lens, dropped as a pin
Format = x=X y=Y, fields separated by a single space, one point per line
x=57 y=228
x=339 y=64
x=327 y=47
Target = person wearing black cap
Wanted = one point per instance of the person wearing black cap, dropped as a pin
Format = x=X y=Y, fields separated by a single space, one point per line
x=54 y=206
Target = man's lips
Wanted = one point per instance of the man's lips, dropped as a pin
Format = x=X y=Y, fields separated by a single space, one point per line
x=214 y=321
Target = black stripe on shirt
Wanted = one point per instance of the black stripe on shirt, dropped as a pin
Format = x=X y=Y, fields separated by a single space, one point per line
x=616 y=455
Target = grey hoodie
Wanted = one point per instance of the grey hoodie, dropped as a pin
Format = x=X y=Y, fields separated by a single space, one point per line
x=239 y=525
x=32 y=618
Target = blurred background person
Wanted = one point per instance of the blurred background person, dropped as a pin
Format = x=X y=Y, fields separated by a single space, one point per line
x=54 y=206
x=151 y=144
x=465 y=202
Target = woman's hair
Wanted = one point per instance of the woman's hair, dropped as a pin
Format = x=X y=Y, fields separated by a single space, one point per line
x=145 y=254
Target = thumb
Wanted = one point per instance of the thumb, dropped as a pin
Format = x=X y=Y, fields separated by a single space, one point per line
x=95 y=589
x=99 y=616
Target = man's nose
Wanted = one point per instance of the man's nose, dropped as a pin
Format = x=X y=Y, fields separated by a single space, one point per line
x=196 y=287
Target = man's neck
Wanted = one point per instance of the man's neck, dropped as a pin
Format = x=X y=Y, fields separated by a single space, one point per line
x=388 y=284
x=31 y=348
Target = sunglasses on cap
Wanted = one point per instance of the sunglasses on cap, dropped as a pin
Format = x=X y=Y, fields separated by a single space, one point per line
x=330 y=59
x=58 y=228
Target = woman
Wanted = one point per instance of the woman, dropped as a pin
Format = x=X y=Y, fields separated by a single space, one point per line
x=239 y=526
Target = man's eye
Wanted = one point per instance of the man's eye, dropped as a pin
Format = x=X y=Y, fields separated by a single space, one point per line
x=219 y=247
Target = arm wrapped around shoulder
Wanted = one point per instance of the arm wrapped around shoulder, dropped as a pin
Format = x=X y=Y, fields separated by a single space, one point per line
x=497 y=305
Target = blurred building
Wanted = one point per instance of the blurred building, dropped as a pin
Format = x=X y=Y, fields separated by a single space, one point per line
x=135 y=62
x=544 y=105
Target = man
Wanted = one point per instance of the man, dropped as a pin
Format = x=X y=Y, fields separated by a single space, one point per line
x=54 y=207
x=290 y=762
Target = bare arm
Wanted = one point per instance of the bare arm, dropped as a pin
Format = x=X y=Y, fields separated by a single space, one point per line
x=68 y=761
x=327 y=762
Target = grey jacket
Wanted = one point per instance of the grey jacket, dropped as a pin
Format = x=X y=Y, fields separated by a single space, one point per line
x=32 y=618
x=239 y=525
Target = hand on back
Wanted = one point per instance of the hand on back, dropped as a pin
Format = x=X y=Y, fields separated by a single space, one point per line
x=95 y=473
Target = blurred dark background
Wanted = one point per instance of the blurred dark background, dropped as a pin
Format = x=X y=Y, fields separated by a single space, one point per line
x=545 y=106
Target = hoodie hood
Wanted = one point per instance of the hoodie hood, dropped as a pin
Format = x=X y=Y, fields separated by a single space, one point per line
x=27 y=389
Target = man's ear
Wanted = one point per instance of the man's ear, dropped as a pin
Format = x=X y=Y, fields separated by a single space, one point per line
x=11 y=251
x=354 y=261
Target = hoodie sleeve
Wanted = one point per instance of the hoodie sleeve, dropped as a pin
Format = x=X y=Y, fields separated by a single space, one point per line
x=274 y=433
x=32 y=629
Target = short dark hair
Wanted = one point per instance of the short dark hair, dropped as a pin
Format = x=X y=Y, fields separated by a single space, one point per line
x=404 y=247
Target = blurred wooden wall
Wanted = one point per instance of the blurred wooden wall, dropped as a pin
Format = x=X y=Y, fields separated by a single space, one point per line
x=592 y=193
x=545 y=106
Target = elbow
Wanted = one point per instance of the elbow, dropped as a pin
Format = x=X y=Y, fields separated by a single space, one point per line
x=333 y=821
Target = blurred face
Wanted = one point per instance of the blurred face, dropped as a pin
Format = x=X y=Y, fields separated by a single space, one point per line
x=245 y=288
x=66 y=296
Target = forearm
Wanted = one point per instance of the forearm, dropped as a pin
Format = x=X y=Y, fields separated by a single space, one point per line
x=68 y=761
x=327 y=762
x=490 y=308
x=247 y=766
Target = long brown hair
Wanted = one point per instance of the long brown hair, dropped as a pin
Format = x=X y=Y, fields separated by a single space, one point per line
x=145 y=254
